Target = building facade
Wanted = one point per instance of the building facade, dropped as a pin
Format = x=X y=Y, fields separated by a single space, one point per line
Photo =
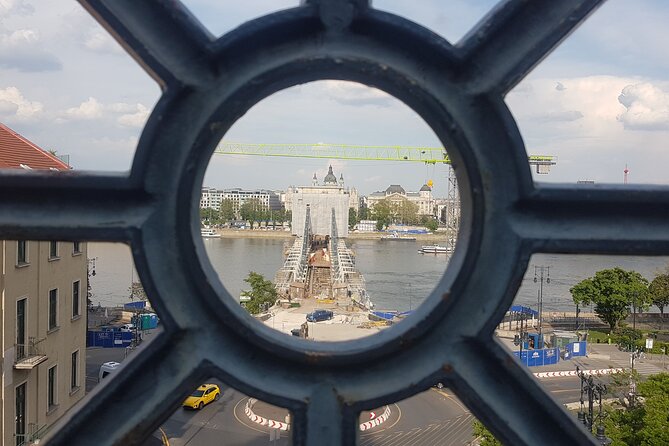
x=43 y=287
x=212 y=198
x=396 y=194
x=353 y=200
x=321 y=200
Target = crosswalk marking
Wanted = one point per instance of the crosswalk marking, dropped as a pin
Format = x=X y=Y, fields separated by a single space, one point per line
x=456 y=431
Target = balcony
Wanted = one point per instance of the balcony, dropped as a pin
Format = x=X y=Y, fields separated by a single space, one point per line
x=28 y=355
x=33 y=436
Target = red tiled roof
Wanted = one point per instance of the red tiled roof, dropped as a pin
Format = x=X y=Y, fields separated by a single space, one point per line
x=17 y=152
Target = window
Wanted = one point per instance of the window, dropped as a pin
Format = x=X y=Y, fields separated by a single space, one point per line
x=21 y=350
x=53 y=250
x=76 y=287
x=76 y=248
x=20 y=415
x=53 y=308
x=74 y=375
x=52 y=386
x=21 y=252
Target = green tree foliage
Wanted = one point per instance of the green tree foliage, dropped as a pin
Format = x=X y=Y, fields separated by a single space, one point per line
x=486 y=438
x=612 y=291
x=431 y=224
x=227 y=211
x=658 y=291
x=209 y=216
x=289 y=218
x=646 y=423
x=352 y=218
x=363 y=214
x=262 y=293
x=251 y=211
x=406 y=212
x=382 y=213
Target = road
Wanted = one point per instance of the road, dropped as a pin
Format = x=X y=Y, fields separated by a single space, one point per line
x=432 y=417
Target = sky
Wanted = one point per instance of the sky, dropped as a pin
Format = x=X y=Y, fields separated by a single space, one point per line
x=599 y=102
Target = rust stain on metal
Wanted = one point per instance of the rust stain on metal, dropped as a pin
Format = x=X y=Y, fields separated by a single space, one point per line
x=316 y=357
x=446 y=296
x=448 y=368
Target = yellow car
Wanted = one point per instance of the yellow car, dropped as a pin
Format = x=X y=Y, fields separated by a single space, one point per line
x=202 y=396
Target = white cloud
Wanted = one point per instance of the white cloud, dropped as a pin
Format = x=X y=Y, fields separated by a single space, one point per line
x=19 y=7
x=13 y=104
x=18 y=37
x=126 y=115
x=22 y=50
x=89 y=109
x=136 y=119
x=647 y=107
x=100 y=41
x=354 y=94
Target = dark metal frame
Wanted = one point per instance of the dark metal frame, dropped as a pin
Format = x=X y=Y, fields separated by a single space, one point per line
x=459 y=91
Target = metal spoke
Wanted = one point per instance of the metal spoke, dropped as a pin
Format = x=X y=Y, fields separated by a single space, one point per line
x=611 y=220
x=178 y=55
x=514 y=37
x=70 y=206
x=150 y=387
x=325 y=418
x=509 y=400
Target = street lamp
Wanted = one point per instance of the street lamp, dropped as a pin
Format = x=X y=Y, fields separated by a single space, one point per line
x=632 y=394
x=540 y=295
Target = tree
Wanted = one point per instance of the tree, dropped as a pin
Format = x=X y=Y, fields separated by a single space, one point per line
x=658 y=291
x=431 y=224
x=263 y=294
x=289 y=218
x=363 y=213
x=612 y=291
x=382 y=213
x=407 y=212
x=645 y=423
x=250 y=211
x=352 y=218
x=209 y=216
x=227 y=211
x=486 y=438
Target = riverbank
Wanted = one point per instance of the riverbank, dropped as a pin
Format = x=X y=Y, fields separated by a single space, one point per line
x=280 y=234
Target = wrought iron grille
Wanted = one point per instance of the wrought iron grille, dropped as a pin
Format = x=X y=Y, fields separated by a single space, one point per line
x=458 y=90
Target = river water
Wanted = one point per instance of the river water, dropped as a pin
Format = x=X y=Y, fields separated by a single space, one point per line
x=397 y=276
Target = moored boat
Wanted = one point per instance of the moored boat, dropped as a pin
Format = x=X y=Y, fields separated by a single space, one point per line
x=209 y=233
x=397 y=237
x=434 y=249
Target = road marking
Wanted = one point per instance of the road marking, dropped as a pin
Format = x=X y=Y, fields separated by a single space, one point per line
x=399 y=417
x=452 y=398
x=234 y=412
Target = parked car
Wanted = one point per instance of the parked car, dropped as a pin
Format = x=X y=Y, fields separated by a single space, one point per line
x=202 y=396
x=320 y=315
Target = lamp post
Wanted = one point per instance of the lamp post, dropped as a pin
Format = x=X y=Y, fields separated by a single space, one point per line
x=632 y=393
x=540 y=294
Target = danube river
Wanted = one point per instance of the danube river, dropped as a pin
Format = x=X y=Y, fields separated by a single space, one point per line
x=397 y=276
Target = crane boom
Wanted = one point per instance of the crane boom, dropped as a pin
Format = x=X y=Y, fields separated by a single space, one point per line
x=429 y=155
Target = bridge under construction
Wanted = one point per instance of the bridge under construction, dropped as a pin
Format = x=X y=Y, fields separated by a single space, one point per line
x=322 y=267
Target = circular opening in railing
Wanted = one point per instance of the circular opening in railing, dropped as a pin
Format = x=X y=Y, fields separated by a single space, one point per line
x=330 y=211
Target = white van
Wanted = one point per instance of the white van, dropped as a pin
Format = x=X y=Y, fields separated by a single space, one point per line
x=108 y=368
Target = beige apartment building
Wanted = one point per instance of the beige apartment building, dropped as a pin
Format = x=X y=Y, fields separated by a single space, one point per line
x=43 y=287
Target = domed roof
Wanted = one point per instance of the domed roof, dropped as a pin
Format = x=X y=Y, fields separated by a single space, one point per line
x=425 y=188
x=395 y=189
x=330 y=178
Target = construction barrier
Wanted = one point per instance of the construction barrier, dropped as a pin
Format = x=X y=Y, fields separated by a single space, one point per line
x=539 y=357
